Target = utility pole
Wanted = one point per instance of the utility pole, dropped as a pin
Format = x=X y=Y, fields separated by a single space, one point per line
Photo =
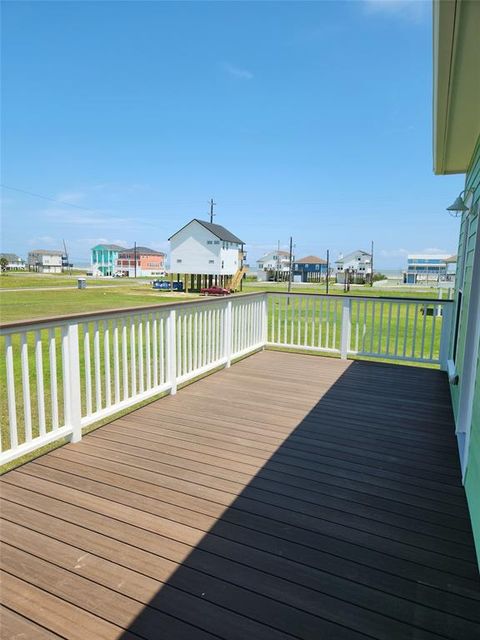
x=371 y=267
x=212 y=204
x=290 y=269
x=135 y=257
x=328 y=267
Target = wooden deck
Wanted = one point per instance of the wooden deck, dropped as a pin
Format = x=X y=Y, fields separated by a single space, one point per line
x=290 y=496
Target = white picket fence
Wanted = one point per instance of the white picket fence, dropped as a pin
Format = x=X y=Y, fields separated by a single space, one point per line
x=64 y=374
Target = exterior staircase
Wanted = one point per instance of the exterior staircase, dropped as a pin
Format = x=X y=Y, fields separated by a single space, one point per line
x=237 y=278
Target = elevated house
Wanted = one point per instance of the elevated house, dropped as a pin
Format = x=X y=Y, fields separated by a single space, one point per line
x=13 y=262
x=310 y=268
x=203 y=253
x=426 y=268
x=274 y=265
x=140 y=262
x=356 y=266
x=46 y=261
x=103 y=258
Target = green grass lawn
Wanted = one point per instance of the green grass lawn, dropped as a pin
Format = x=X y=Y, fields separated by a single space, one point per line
x=25 y=305
x=29 y=280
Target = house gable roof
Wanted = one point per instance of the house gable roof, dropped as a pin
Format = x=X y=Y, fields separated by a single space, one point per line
x=220 y=232
x=351 y=254
x=109 y=247
x=274 y=252
x=11 y=257
x=311 y=260
x=46 y=252
x=142 y=250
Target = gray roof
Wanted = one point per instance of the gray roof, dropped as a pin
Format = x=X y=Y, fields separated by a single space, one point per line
x=216 y=229
x=46 y=252
x=110 y=247
x=144 y=250
x=11 y=257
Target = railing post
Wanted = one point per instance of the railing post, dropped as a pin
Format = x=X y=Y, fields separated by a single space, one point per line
x=264 y=319
x=345 y=335
x=228 y=333
x=172 y=350
x=75 y=402
x=445 y=335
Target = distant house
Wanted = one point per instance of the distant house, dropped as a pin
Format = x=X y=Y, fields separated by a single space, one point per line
x=357 y=265
x=274 y=265
x=207 y=251
x=104 y=258
x=148 y=262
x=425 y=268
x=451 y=268
x=14 y=263
x=45 y=261
x=310 y=268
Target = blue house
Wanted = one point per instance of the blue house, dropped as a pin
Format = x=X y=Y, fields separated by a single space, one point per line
x=310 y=268
x=425 y=268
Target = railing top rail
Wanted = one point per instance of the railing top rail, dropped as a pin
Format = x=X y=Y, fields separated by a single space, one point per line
x=112 y=313
x=342 y=296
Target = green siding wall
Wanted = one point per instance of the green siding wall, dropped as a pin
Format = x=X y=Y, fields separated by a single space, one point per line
x=468 y=232
x=472 y=479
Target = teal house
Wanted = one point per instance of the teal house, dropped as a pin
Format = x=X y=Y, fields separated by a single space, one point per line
x=456 y=149
x=104 y=258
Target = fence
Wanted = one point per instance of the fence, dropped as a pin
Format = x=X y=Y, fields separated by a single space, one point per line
x=385 y=328
x=64 y=374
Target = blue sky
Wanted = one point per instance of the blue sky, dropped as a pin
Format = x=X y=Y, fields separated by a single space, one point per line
x=305 y=119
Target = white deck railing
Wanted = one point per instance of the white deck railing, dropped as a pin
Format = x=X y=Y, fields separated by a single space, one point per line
x=386 y=328
x=63 y=374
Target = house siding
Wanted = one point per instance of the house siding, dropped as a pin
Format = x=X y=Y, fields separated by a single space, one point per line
x=466 y=257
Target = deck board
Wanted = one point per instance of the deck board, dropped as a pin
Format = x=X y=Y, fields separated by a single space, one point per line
x=289 y=496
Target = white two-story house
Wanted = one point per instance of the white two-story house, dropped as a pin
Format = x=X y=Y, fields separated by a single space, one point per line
x=274 y=265
x=358 y=264
x=205 y=249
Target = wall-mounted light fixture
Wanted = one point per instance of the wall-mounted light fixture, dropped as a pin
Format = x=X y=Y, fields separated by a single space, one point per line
x=458 y=207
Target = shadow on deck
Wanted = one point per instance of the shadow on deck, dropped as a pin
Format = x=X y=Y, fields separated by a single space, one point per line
x=289 y=496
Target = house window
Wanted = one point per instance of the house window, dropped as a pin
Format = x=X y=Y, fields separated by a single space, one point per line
x=306 y=265
x=216 y=242
x=179 y=260
x=211 y=262
x=209 y=241
x=317 y=267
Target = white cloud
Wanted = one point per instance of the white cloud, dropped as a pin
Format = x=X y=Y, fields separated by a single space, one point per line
x=410 y=10
x=71 y=197
x=393 y=253
x=433 y=250
x=43 y=241
x=95 y=220
x=237 y=72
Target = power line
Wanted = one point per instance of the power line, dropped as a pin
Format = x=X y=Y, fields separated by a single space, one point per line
x=39 y=195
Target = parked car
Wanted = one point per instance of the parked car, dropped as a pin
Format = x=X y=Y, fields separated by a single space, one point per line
x=215 y=291
x=165 y=285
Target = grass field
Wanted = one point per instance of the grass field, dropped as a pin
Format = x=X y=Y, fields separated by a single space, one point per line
x=105 y=293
